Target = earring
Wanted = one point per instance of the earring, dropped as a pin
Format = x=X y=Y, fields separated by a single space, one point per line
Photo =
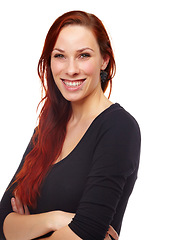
x=103 y=76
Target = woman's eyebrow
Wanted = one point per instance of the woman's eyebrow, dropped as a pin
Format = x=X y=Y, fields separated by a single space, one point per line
x=85 y=48
x=58 y=49
x=79 y=50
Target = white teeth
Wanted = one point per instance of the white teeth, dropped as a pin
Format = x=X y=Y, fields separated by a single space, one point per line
x=72 y=83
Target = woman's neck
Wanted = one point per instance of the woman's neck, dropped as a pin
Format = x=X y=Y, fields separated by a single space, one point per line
x=89 y=107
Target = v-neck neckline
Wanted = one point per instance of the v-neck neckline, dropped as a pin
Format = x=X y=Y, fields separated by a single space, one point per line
x=84 y=135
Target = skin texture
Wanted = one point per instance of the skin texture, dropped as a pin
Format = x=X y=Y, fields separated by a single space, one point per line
x=76 y=63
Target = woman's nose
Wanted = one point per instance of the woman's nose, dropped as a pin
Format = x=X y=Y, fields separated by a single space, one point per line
x=72 y=68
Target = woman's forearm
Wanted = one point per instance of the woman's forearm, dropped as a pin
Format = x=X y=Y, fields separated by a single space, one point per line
x=24 y=227
x=64 y=233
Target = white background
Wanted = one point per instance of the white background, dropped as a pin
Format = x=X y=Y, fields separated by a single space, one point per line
x=142 y=40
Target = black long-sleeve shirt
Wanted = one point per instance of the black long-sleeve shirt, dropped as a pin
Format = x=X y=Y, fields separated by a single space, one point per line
x=95 y=180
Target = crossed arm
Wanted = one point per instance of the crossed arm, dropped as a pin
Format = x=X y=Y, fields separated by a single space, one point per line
x=21 y=225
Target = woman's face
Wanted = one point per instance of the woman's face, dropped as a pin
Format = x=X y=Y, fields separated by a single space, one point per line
x=76 y=62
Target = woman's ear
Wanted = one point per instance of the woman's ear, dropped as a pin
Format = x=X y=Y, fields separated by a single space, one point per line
x=105 y=62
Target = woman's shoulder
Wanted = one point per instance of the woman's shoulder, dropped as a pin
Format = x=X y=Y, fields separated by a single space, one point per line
x=118 y=136
x=117 y=117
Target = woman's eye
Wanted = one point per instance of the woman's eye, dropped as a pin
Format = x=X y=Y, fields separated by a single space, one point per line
x=59 y=56
x=85 y=55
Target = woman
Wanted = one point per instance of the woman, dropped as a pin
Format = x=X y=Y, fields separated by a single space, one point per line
x=81 y=164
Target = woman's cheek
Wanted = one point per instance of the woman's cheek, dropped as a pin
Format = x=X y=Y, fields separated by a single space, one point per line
x=88 y=68
x=56 y=68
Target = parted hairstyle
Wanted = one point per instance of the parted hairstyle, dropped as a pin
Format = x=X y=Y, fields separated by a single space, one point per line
x=50 y=134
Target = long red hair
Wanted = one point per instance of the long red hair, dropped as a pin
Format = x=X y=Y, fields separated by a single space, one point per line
x=49 y=136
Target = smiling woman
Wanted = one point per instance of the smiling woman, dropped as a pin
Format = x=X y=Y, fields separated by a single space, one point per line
x=76 y=62
x=80 y=167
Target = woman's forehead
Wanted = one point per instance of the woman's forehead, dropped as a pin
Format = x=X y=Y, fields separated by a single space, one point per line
x=76 y=37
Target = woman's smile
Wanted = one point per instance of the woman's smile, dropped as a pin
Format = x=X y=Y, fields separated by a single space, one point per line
x=73 y=85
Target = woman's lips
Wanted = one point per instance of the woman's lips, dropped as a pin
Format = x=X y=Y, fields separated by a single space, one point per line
x=73 y=84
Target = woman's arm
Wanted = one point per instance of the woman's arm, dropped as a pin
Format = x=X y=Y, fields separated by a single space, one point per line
x=21 y=225
x=56 y=221
x=66 y=233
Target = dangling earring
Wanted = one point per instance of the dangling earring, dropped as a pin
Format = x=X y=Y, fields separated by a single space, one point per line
x=103 y=76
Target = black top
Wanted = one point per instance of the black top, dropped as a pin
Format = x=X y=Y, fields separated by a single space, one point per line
x=95 y=180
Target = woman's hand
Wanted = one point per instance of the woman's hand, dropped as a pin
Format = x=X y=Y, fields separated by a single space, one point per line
x=61 y=219
x=111 y=232
x=18 y=207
